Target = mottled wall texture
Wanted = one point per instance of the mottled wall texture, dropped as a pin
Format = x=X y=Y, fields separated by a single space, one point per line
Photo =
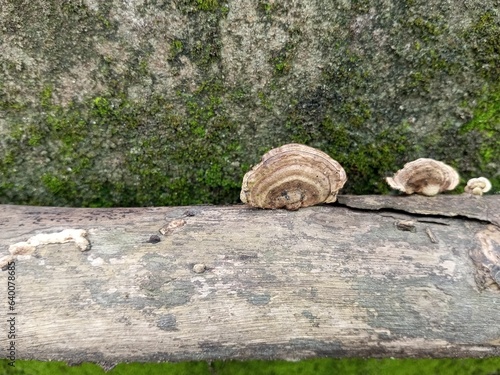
x=137 y=102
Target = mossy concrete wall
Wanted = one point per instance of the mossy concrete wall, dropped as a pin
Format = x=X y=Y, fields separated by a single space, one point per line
x=170 y=102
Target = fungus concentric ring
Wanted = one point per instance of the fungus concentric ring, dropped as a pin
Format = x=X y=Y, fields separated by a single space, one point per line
x=293 y=176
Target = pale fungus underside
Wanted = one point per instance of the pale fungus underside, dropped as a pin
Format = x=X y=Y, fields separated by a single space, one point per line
x=424 y=176
x=478 y=186
x=293 y=176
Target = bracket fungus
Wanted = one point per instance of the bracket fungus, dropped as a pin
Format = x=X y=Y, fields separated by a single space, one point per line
x=478 y=186
x=293 y=176
x=424 y=176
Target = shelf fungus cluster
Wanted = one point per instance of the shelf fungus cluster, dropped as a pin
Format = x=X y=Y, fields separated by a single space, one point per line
x=478 y=186
x=424 y=176
x=293 y=176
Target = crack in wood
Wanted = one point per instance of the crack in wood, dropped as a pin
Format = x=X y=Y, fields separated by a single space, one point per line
x=486 y=208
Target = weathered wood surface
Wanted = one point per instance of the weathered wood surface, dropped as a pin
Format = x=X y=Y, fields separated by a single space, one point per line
x=321 y=281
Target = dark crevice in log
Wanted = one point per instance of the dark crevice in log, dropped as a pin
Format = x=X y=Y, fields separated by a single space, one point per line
x=484 y=208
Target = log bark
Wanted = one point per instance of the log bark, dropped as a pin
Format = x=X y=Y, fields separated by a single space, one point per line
x=232 y=282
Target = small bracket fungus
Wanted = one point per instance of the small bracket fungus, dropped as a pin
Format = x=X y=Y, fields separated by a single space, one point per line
x=478 y=186
x=293 y=176
x=424 y=176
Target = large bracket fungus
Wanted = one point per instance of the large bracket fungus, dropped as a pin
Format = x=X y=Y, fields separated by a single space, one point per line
x=424 y=176
x=293 y=176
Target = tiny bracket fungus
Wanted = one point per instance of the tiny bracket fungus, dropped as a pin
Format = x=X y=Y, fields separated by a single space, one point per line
x=478 y=186
x=293 y=176
x=172 y=226
x=424 y=176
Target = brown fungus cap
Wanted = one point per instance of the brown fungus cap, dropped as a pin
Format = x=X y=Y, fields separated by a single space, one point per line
x=424 y=176
x=293 y=176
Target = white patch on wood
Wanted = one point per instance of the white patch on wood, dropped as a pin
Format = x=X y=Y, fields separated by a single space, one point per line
x=121 y=260
x=6 y=260
x=203 y=288
x=96 y=261
x=67 y=235
x=22 y=248
x=449 y=267
x=23 y=257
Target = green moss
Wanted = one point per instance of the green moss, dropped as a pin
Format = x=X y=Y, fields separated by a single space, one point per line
x=264 y=100
x=206 y=52
x=487 y=120
x=266 y=7
x=101 y=107
x=10 y=106
x=176 y=48
x=429 y=65
x=282 y=60
x=367 y=161
x=143 y=68
x=7 y=105
x=484 y=38
x=281 y=65
x=343 y=121
x=436 y=55
x=205 y=49
x=318 y=366
x=360 y=6
x=239 y=94
x=427 y=28
x=207 y=4
x=35 y=138
x=101 y=155
x=481 y=137
x=212 y=6
x=46 y=97
x=56 y=184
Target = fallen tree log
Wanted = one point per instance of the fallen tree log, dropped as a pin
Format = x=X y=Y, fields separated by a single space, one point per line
x=362 y=277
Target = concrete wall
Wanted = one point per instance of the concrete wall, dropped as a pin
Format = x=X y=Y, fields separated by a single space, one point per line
x=171 y=102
